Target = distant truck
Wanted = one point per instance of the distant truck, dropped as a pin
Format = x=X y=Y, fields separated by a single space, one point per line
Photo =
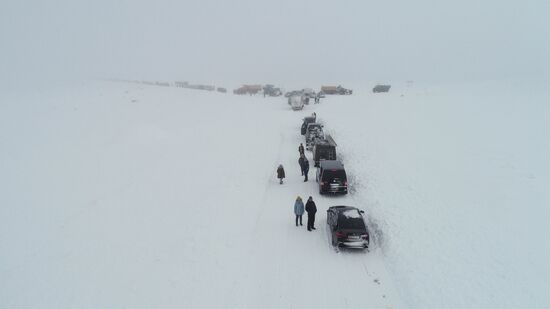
x=272 y=91
x=381 y=88
x=248 y=89
x=336 y=90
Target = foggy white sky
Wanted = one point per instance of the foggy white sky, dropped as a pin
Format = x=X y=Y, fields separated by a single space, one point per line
x=276 y=41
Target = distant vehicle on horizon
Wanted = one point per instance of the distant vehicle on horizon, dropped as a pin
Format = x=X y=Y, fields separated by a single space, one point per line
x=272 y=91
x=381 y=88
x=336 y=90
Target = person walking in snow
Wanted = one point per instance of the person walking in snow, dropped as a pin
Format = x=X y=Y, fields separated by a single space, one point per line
x=301 y=162
x=311 y=210
x=280 y=173
x=298 y=209
x=305 y=168
x=301 y=149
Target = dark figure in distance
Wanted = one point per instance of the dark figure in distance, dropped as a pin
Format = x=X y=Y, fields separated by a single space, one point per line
x=280 y=173
x=311 y=210
x=301 y=149
x=301 y=162
x=305 y=168
x=298 y=209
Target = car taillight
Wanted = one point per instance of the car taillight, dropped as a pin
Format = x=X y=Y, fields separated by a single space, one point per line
x=366 y=236
x=340 y=234
x=346 y=183
x=322 y=183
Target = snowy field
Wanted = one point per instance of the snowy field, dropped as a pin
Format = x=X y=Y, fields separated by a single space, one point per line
x=128 y=196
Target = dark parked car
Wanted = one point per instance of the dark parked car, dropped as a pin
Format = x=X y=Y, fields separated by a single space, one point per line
x=324 y=150
x=347 y=227
x=307 y=120
x=331 y=177
x=381 y=88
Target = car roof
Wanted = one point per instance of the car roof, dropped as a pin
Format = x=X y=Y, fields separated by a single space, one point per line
x=339 y=210
x=331 y=164
x=327 y=141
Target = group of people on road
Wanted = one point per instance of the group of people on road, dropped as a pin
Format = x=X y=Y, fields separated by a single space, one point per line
x=299 y=207
x=311 y=210
x=302 y=161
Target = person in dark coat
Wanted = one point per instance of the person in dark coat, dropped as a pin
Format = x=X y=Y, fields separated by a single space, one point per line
x=311 y=210
x=301 y=162
x=301 y=149
x=305 y=168
x=298 y=209
x=280 y=173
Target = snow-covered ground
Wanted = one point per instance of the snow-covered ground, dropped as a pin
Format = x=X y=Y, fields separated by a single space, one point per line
x=129 y=196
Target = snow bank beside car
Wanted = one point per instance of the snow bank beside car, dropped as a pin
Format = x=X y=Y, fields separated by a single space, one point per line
x=454 y=177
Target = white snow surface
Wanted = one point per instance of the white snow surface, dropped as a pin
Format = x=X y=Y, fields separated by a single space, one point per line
x=121 y=195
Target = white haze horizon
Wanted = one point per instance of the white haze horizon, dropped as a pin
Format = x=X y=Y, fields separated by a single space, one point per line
x=284 y=42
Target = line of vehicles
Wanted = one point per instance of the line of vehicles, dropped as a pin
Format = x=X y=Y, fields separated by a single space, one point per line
x=345 y=224
x=267 y=90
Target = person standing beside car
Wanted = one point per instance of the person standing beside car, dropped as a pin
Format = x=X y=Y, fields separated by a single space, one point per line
x=298 y=209
x=305 y=168
x=301 y=162
x=280 y=173
x=311 y=210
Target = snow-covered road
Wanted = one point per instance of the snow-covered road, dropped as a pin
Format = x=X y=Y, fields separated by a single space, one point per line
x=124 y=196
x=129 y=196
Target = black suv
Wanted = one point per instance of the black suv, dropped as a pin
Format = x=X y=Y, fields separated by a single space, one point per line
x=347 y=227
x=324 y=150
x=331 y=177
x=307 y=120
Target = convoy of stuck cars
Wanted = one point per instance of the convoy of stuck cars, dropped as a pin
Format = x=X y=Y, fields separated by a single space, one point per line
x=346 y=224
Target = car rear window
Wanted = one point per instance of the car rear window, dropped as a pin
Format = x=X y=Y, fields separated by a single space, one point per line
x=331 y=174
x=351 y=222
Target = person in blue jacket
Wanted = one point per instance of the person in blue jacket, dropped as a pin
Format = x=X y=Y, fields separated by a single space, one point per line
x=298 y=209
